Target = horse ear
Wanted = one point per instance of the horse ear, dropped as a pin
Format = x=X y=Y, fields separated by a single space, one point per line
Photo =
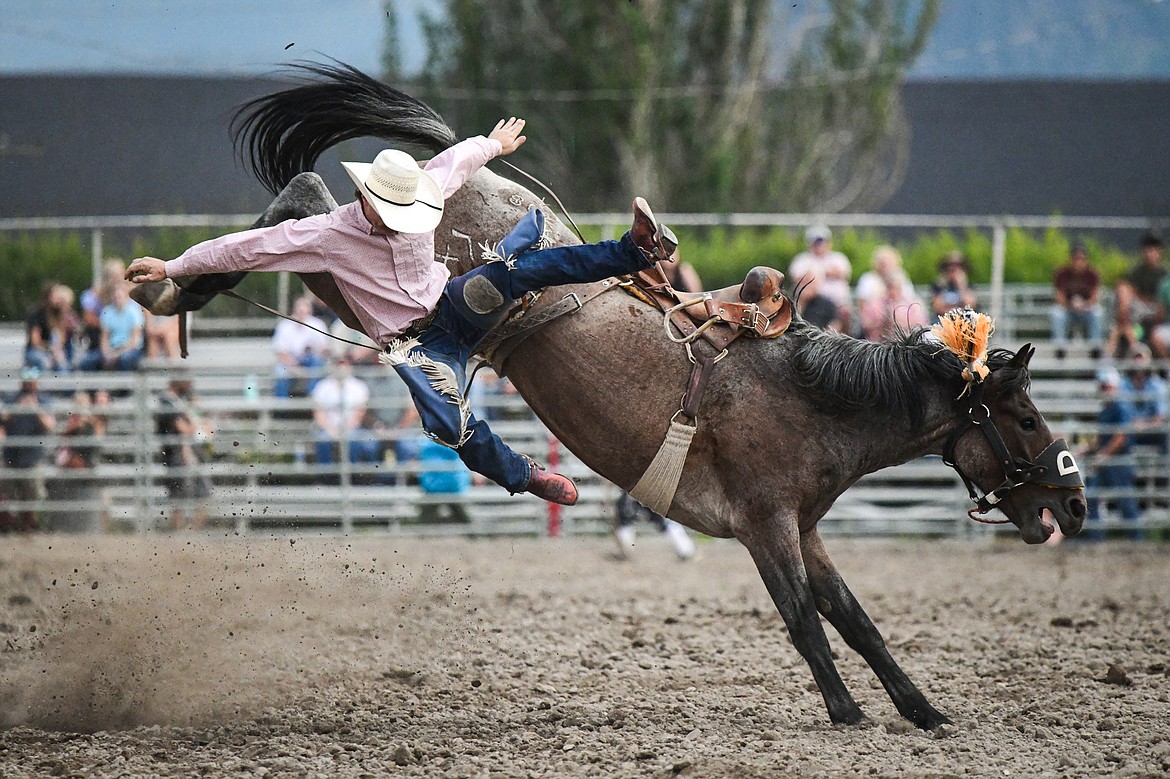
x=1023 y=357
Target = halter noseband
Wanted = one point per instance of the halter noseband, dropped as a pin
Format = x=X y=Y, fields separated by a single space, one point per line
x=1054 y=467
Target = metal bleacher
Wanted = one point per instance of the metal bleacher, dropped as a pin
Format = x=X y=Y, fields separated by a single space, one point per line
x=264 y=482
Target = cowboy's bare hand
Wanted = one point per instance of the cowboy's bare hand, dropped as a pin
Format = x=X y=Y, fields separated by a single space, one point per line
x=146 y=269
x=507 y=132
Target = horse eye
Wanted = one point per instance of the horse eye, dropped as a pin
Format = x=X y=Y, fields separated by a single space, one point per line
x=1028 y=423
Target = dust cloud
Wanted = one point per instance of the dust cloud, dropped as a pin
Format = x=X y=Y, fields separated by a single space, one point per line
x=207 y=631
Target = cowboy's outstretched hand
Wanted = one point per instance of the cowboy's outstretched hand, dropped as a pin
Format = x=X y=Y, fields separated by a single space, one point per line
x=507 y=132
x=146 y=269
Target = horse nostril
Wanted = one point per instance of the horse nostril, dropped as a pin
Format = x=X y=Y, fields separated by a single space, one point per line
x=1077 y=508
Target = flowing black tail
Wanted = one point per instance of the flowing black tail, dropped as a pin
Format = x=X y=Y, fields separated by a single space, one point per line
x=282 y=134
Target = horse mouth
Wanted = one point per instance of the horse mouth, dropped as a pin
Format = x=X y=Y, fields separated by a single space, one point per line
x=1068 y=515
x=1048 y=527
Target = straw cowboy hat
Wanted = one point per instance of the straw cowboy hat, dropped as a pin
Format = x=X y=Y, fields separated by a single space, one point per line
x=403 y=194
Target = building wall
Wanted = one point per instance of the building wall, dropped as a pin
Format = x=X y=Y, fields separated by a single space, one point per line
x=141 y=145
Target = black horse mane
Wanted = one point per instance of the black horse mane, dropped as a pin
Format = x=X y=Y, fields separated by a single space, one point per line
x=283 y=134
x=890 y=377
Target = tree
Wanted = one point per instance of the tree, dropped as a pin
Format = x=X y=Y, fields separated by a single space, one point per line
x=705 y=105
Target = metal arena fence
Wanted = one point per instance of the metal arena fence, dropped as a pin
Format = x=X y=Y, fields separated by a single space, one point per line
x=258 y=459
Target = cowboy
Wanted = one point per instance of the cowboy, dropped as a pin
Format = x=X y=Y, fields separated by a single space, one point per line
x=380 y=251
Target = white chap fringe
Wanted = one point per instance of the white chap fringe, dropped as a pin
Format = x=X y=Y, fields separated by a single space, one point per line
x=397 y=352
x=441 y=378
x=488 y=253
x=655 y=490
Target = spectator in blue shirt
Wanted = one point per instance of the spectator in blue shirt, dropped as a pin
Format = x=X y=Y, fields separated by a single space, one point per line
x=1113 y=470
x=122 y=335
x=1148 y=395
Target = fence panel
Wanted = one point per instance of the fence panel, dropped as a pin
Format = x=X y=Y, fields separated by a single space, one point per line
x=264 y=477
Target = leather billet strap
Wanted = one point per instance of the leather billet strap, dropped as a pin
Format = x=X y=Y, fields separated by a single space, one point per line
x=499 y=344
x=182 y=334
x=697 y=384
x=1054 y=467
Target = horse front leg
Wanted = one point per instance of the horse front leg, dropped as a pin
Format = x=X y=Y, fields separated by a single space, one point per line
x=775 y=548
x=841 y=609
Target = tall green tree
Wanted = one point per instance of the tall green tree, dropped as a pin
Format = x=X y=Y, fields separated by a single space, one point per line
x=706 y=105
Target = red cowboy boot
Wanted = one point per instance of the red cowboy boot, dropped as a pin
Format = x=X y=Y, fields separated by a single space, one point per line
x=655 y=241
x=553 y=487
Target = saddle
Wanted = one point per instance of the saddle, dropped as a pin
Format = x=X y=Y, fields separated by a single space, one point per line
x=756 y=306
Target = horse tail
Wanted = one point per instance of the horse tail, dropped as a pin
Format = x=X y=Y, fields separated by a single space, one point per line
x=282 y=134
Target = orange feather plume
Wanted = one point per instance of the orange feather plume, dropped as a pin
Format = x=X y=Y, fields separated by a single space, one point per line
x=966 y=333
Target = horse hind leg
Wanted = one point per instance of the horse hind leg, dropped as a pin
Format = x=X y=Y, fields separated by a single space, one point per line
x=775 y=548
x=305 y=195
x=841 y=609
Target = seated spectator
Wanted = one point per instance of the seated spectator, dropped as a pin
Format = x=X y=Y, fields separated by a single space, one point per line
x=93 y=300
x=1137 y=310
x=831 y=268
x=1148 y=396
x=952 y=289
x=1111 y=467
x=1076 y=287
x=79 y=453
x=300 y=351
x=51 y=331
x=122 y=335
x=182 y=431
x=886 y=297
x=23 y=424
x=815 y=308
x=339 y=402
x=78 y=449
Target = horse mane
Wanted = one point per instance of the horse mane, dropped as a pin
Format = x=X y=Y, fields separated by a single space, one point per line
x=892 y=377
x=280 y=135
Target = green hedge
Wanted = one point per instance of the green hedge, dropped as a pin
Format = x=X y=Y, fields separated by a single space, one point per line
x=722 y=256
x=28 y=260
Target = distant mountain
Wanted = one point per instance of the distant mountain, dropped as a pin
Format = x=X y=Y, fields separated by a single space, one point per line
x=1071 y=39
x=974 y=39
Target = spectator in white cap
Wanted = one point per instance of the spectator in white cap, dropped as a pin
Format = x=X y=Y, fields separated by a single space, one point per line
x=831 y=268
x=1111 y=467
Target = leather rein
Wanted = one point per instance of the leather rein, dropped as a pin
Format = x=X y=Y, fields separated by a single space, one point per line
x=1054 y=467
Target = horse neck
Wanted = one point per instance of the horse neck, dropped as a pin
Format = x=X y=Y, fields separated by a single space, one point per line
x=895 y=446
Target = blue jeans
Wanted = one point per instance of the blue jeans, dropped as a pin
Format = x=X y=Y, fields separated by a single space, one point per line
x=1065 y=321
x=94 y=361
x=434 y=369
x=1112 y=477
x=283 y=383
x=363 y=447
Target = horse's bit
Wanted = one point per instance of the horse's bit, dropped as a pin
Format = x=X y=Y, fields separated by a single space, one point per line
x=1054 y=467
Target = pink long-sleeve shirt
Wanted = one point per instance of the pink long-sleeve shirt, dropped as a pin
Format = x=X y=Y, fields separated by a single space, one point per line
x=388 y=281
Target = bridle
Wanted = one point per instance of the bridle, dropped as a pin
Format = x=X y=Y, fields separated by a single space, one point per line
x=1054 y=467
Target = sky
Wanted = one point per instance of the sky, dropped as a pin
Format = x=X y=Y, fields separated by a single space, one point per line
x=973 y=39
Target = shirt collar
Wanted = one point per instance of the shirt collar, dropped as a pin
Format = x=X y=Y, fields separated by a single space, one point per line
x=356 y=217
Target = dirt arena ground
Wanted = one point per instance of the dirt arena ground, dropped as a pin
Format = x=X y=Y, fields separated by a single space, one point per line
x=202 y=656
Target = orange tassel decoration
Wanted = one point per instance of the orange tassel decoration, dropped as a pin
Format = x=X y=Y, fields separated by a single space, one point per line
x=966 y=333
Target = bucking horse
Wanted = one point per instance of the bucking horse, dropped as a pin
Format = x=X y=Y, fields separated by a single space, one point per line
x=786 y=424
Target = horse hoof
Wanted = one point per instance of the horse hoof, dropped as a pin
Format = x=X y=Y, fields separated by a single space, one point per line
x=160 y=298
x=931 y=720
